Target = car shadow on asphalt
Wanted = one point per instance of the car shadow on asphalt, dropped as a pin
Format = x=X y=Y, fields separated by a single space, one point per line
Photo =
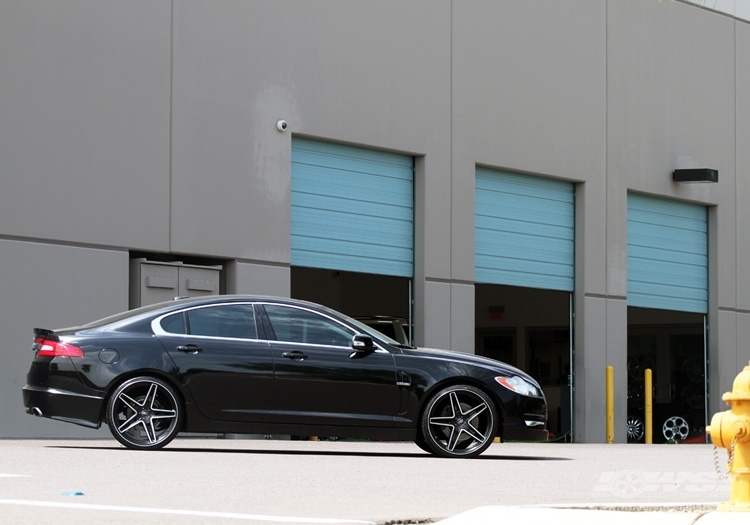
x=337 y=453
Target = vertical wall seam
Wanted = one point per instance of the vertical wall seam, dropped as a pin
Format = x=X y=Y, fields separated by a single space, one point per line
x=171 y=112
x=739 y=364
x=606 y=180
x=450 y=163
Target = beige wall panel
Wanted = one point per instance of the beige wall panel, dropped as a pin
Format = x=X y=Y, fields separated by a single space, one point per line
x=432 y=216
x=616 y=357
x=743 y=349
x=51 y=287
x=433 y=324
x=591 y=237
x=743 y=165
x=84 y=139
x=601 y=341
x=528 y=95
x=257 y=279
x=670 y=104
x=589 y=370
x=723 y=357
x=462 y=326
x=670 y=96
x=376 y=74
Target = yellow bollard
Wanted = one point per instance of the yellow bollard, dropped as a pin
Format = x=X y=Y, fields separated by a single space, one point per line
x=731 y=430
x=649 y=408
x=610 y=404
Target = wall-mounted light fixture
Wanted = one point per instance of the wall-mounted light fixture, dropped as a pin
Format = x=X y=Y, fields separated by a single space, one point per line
x=696 y=175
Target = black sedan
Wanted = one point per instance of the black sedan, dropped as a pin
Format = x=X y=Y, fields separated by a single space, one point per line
x=264 y=365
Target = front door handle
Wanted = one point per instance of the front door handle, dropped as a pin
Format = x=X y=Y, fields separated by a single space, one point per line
x=189 y=349
x=295 y=356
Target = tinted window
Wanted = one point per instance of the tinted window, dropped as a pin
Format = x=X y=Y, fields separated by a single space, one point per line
x=229 y=320
x=174 y=324
x=295 y=325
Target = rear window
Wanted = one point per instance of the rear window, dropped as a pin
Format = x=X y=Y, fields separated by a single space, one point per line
x=128 y=314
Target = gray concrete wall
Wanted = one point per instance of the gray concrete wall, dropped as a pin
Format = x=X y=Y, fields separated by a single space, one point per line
x=730 y=364
x=671 y=104
x=150 y=126
x=49 y=286
x=85 y=131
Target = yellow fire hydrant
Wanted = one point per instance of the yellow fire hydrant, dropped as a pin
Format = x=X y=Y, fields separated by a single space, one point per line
x=731 y=430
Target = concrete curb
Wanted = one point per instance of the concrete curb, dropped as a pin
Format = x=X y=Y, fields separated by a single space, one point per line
x=678 y=514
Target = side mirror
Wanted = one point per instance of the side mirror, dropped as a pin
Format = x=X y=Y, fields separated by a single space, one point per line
x=363 y=343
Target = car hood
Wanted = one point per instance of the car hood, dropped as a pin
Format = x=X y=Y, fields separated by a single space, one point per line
x=472 y=359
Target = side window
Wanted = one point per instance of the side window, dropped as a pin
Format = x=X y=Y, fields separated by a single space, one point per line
x=229 y=320
x=295 y=325
x=174 y=324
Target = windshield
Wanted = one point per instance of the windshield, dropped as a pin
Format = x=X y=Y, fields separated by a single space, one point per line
x=369 y=330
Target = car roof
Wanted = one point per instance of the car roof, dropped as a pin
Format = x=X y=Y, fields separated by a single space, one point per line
x=156 y=309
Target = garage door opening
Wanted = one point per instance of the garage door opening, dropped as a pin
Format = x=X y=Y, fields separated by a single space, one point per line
x=381 y=301
x=667 y=305
x=531 y=329
x=673 y=345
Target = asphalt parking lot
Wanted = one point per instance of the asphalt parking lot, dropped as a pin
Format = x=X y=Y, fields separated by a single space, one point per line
x=280 y=481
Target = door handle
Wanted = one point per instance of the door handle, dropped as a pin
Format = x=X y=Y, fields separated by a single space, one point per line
x=189 y=349
x=295 y=356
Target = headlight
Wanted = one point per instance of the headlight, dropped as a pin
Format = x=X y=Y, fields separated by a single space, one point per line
x=519 y=385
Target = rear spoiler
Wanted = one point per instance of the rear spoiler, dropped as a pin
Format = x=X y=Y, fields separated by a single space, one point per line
x=43 y=332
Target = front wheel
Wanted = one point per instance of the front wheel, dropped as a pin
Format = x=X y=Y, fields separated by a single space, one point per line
x=144 y=413
x=459 y=422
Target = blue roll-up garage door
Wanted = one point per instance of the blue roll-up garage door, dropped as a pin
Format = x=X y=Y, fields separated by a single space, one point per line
x=667 y=254
x=524 y=230
x=352 y=209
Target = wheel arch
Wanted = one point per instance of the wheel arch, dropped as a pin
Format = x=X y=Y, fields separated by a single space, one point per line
x=461 y=380
x=149 y=372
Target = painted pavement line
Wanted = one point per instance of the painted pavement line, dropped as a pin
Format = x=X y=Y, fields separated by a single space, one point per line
x=210 y=514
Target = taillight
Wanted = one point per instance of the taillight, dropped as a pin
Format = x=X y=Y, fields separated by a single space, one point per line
x=48 y=348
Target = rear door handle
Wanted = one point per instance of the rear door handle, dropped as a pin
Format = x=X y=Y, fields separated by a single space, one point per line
x=189 y=349
x=295 y=356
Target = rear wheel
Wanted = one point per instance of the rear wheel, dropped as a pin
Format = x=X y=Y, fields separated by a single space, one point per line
x=144 y=413
x=459 y=422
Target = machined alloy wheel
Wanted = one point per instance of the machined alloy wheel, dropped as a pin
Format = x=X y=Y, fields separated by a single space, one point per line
x=144 y=413
x=675 y=428
x=459 y=422
x=635 y=429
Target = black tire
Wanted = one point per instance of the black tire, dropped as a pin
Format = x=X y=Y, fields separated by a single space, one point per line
x=459 y=421
x=421 y=443
x=144 y=413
